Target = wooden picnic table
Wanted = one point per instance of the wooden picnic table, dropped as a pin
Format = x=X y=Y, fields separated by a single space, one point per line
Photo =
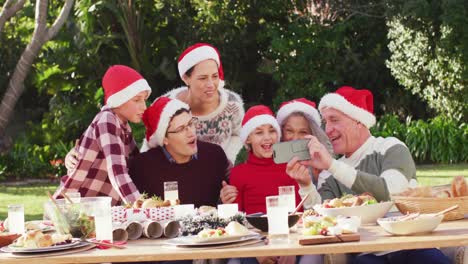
x=373 y=238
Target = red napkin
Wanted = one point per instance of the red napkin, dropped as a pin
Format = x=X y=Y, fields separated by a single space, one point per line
x=119 y=243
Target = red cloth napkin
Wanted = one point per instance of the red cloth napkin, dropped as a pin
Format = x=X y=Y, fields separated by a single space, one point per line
x=119 y=243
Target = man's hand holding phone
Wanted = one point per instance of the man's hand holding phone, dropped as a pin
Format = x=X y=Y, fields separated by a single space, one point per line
x=320 y=157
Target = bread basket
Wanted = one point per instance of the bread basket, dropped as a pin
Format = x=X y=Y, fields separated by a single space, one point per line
x=407 y=204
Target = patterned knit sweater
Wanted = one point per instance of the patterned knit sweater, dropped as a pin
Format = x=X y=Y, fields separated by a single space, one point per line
x=381 y=166
x=222 y=126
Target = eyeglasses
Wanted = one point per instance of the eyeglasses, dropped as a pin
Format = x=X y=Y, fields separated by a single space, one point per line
x=187 y=127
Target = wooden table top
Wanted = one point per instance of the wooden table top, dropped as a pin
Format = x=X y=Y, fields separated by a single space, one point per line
x=373 y=238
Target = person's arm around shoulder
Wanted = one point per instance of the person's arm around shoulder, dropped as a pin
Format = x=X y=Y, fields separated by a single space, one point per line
x=114 y=151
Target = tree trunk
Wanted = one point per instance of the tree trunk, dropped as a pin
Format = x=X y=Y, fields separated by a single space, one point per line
x=40 y=36
x=9 y=9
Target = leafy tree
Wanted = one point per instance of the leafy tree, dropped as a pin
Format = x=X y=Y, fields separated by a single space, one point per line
x=42 y=33
x=429 y=52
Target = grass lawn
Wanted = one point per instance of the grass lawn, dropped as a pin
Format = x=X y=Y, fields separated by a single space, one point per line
x=33 y=197
x=440 y=174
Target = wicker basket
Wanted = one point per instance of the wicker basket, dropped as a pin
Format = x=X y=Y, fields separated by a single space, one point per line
x=432 y=205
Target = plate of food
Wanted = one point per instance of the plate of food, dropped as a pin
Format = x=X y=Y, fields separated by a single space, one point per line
x=42 y=225
x=410 y=224
x=232 y=233
x=364 y=205
x=35 y=242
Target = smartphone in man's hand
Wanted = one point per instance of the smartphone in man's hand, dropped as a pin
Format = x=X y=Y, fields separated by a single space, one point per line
x=283 y=152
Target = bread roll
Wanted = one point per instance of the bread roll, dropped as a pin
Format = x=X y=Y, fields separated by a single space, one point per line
x=236 y=229
x=423 y=191
x=459 y=187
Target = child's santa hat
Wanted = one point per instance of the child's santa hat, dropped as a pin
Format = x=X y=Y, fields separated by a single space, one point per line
x=306 y=107
x=122 y=83
x=198 y=53
x=257 y=116
x=357 y=104
x=157 y=117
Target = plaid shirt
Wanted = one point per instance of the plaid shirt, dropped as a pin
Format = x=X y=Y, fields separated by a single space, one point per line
x=102 y=169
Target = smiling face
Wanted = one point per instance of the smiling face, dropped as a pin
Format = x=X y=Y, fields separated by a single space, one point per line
x=133 y=109
x=295 y=127
x=181 y=139
x=345 y=133
x=203 y=81
x=261 y=141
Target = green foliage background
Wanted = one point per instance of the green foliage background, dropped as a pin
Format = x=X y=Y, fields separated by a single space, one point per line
x=411 y=54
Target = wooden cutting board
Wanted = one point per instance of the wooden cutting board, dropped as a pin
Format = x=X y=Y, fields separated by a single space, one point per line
x=315 y=240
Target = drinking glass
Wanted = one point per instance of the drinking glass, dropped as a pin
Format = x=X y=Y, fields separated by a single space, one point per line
x=227 y=210
x=103 y=219
x=183 y=210
x=75 y=197
x=16 y=218
x=277 y=215
x=287 y=197
x=171 y=192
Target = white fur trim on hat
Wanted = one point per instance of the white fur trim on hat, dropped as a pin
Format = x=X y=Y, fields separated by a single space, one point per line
x=340 y=103
x=169 y=110
x=128 y=93
x=257 y=121
x=195 y=56
x=290 y=108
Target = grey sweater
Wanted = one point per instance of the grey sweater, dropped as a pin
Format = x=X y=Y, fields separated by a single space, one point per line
x=381 y=166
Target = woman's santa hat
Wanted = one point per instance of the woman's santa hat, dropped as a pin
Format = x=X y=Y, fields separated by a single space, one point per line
x=357 y=104
x=257 y=116
x=122 y=83
x=198 y=53
x=302 y=105
x=156 y=119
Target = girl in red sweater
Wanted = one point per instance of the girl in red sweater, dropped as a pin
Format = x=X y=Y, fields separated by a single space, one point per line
x=259 y=176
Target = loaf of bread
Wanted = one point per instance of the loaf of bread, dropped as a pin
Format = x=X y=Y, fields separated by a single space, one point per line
x=34 y=239
x=459 y=187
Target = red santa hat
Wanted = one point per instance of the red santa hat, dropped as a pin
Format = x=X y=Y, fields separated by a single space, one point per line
x=308 y=108
x=256 y=116
x=157 y=117
x=122 y=83
x=357 y=104
x=198 y=53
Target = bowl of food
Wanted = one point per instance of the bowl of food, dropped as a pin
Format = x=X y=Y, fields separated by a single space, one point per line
x=260 y=220
x=404 y=225
x=76 y=219
x=364 y=206
x=7 y=238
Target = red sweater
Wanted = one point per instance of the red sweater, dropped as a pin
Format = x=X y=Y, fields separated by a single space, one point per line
x=258 y=178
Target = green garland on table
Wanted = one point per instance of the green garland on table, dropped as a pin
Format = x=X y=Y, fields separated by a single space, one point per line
x=192 y=225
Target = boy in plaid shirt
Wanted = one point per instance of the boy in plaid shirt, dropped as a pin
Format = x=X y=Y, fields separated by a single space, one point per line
x=106 y=145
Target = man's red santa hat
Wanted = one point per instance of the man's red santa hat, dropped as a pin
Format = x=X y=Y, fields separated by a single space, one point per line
x=157 y=117
x=357 y=104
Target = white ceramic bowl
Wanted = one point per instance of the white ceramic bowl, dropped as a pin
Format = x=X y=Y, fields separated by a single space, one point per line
x=368 y=213
x=421 y=224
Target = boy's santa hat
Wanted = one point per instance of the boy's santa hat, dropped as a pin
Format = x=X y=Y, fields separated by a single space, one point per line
x=357 y=104
x=302 y=105
x=257 y=116
x=157 y=117
x=122 y=83
x=198 y=53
